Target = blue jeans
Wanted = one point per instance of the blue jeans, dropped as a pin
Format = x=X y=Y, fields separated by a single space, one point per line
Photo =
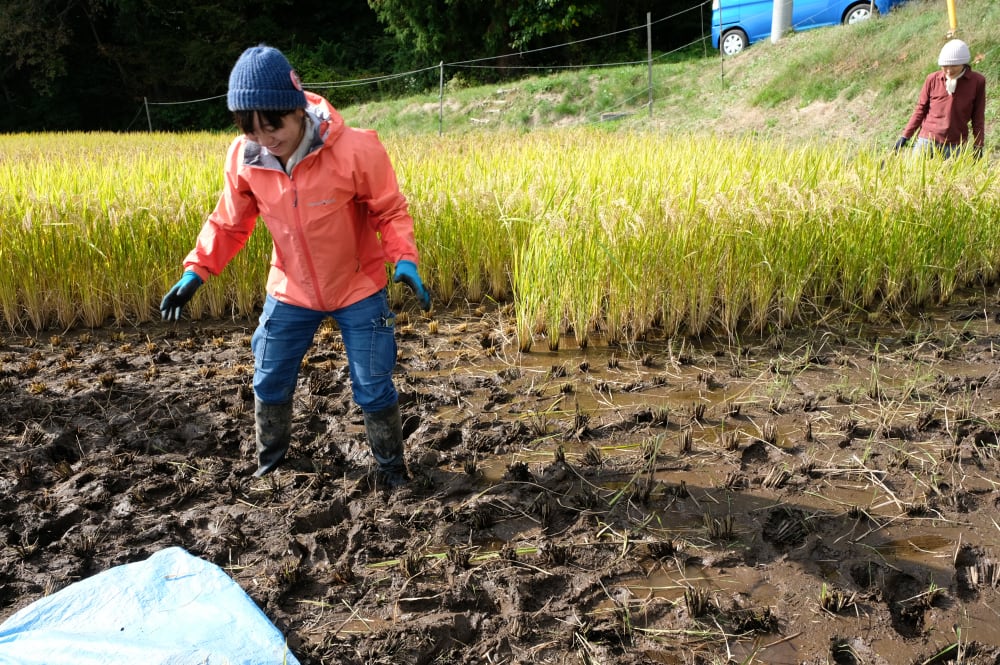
x=285 y=332
x=935 y=149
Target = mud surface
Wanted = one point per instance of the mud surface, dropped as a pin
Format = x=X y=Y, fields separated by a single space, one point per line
x=821 y=495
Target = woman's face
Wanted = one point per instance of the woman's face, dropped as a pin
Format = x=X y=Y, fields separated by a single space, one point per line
x=279 y=141
x=952 y=71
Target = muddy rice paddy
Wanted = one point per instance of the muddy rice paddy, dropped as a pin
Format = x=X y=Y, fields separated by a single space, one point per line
x=825 y=494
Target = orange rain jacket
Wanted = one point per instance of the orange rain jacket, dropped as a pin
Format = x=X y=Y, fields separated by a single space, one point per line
x=323 y=218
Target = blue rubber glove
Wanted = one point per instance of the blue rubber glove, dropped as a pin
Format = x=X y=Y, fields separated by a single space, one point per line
x=173 y=303
x=900 y=143
x=406 y=272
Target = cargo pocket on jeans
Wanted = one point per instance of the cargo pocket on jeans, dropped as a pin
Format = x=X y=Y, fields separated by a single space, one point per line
x=383 y=355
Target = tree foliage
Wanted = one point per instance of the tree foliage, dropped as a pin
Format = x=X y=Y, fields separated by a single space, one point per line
x=94 y=64
x=457 y=30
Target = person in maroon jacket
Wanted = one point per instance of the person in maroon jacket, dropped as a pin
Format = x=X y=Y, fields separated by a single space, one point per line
x=951 y=100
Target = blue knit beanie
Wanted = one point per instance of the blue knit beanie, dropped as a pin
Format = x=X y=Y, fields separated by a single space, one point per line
x=263 y=80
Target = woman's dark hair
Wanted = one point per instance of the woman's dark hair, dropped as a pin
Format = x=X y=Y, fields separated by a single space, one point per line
x=244 y=119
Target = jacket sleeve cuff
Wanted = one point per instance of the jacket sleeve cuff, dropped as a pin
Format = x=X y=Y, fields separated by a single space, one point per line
x=198 y=270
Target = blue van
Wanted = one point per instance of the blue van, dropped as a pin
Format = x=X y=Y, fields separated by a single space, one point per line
x=738 y=23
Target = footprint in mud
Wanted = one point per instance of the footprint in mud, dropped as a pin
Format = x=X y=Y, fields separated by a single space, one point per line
x=754 y=455
x=909 y=600
x=868 y=575
x=785 y=528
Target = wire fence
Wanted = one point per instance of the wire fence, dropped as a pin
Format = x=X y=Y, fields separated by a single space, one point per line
x=626 y=105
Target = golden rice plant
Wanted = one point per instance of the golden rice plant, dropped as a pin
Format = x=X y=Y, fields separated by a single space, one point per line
x=589 y=232
x=95 y=227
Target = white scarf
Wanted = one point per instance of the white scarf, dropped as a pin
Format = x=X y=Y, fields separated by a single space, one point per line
x=951 y=83
x=308 y=133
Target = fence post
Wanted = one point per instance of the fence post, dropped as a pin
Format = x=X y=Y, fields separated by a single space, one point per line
x=149 y=121
x=441 y=99
x=649 y=57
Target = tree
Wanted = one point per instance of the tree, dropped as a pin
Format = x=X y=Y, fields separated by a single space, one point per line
x=460 y=30
x=91 y=64
x=32 y=36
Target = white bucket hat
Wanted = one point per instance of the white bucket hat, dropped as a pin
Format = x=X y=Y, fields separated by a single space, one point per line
x=955 y=52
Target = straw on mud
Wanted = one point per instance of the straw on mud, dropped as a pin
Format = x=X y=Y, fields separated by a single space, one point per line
x=781 y=641
x=682 y=632
x=436 y=556
x=872 y=475
x=518 y=511
x=725 y=638
x=399 y=596
x=588 y=654
x=931 y=594
x=888 y=522
x=354 y=613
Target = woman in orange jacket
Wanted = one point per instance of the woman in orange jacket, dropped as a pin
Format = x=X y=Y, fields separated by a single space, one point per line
x=329 y=197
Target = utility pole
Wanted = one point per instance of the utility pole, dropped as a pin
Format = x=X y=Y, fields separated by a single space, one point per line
x=781 y=19
x=952 y=19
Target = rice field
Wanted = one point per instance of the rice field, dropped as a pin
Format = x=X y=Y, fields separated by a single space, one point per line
x=588 y=232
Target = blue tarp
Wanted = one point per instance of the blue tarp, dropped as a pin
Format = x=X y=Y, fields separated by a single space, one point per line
x=171 y=609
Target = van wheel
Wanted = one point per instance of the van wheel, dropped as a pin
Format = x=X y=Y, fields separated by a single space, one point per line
x=861 y=11
x=733 y=41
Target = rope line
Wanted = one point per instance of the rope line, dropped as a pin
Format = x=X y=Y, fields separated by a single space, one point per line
x=471 y=64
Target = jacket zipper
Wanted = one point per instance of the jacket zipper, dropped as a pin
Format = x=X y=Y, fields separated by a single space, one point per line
x=307 y=255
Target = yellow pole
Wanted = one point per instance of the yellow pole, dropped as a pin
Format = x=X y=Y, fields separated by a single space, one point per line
x=952 y=18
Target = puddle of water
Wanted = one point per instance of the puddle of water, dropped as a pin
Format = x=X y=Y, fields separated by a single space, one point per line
x=933 y=551
x=665 y=582
x=492 y=469
x=777 y=651
x=842 y=497
x=925 y=543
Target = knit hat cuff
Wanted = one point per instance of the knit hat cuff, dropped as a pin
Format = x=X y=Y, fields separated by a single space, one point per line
x=265 y=100
x=955 y=52
x=263 y=80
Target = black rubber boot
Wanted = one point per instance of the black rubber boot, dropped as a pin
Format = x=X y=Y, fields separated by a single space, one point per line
x=385 y=436
x=274 y=433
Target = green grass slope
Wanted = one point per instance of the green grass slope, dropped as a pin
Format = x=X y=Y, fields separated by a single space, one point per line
x=856 y=82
